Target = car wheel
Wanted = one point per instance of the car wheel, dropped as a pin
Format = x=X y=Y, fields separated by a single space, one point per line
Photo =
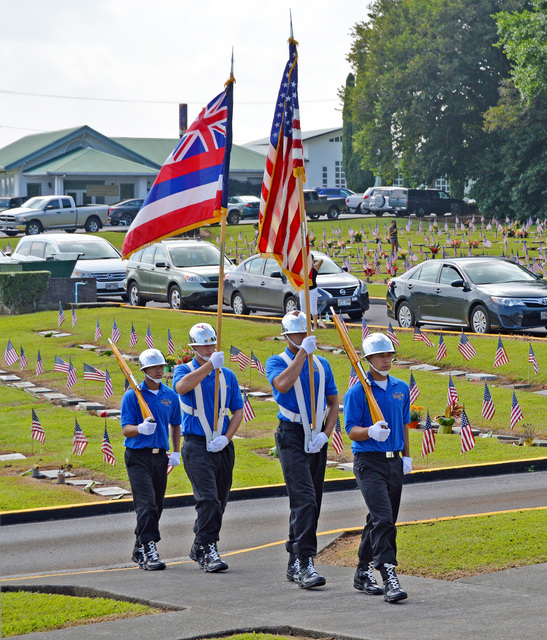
x=480 y=320
x=355 y=315
x=290 y=305
x=333 y=213
x=92 y=225
x=314 y=216
x=233 y=217
x=456 y=209
x=175 y=297
x=405 y=316
x=352 y=210
x=33 y=228
x=113 y=223
x=11 y=234
x=363 y=208
x=421 y=211
x=239 y=306
x=126 y=219
x=135 y=298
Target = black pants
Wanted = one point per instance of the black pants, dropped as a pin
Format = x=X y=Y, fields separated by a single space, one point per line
x=211 y=478
x=147 y=473
x=381 y=481
x=304 y=475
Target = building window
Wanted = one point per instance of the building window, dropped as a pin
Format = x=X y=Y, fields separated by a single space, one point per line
x=325 y=177
x=443 y=184
x=399 y=181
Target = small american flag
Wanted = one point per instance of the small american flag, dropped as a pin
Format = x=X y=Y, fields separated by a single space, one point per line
x=413 y=388
x=468 y=439
x=60 y=365
x=98 y=332
x=501 y=355
x=441 y=349
x=37 y=431
x=116 y=335
x=353 y=378
x=236 y=355
x=488 y=407
x=92 y=373
x=532 y=359
x=133 y=337
x=465 y=347
x=106 y=448
x=428 y=440
x=23 y=360
x=170 y=344
x=452 y=396
x=516 y=412
x=365 y=331
x=347 y=264
x=39 y=364
x=108 y=388
x=79 y=442
x=391 y=335
x=74 y=317
x=256 y=364
x=71 y=378
x=420 y=335
x=248 y=413
x=337 y=440
x=149 y=339
x=61 y=315
x=487 y=243
x=10 y=355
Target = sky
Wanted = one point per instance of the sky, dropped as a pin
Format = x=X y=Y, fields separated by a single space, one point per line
x=143 y=58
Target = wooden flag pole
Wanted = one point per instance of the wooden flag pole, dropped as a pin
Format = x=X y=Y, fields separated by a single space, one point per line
x=223 y=214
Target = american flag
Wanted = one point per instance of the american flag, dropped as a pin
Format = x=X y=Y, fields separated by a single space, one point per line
x=441 y=349
x=347 y=264
x=337 y=440
x=23 y=361
x=428 y=440
x=61 y=315
x=280 y=232
x=419 y=335
x=106 y=448
x=236 y=355
x=516 y=413
x=501 y=355
x=452 y=395
x=488 y=407
x=74 y=317
x=170 y=344
x=37 y=431
x=391 y=335
x=39 y=364
x=465 y=347
x=413 y=388
x=108 y=388
x=248 y=413
x=71 y=378
x=116 y=335
x=256 y=364
x=98 y=332
x=10 y=355
x=487 y=243
x=92 y=373
x=365 y=331
x=532 y=359
x=191 y=187
x=79 y=441
x=60 y=365
x=468 y=439
x=353 y=378
x=133 y=337
x=149 y=339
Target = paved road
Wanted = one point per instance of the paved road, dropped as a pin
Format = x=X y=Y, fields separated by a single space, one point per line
x=107 y=540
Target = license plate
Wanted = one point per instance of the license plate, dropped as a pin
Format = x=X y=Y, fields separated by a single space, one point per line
x=344 y=303
x=544 y=315
x=111 y=286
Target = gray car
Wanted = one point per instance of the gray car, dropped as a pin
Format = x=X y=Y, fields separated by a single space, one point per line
x=181 y=272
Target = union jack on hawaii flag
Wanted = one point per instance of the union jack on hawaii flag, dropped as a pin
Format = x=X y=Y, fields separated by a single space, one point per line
x=392 y=336
x=74 y=317
x=428 y=440
x=420 y=335
x=23 y=360
x=248 y=413
x=133 y=337
x=10 y=355
x=79 y=441
x=465 y=347
x=236 y=355
x=452 y=395
x=98 y=332
x=39 y=364
x=37 y=431
x=501 y=355
x=413 y=388
x=149 y=339
x=116 y=335
x=441 y=349
x=532 y=359
x=488 y=407
x=61 y=315
x=337 y=440
x=170 y=344
x=106 y=448
x=516 y=412
x=256 y=364
x=468 y=439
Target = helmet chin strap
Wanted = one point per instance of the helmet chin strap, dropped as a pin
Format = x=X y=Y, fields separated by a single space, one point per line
x=156 y=380
x=381 y=372
x=296 y=346
x=206 y=358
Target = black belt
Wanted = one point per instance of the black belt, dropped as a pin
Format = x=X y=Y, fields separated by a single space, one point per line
x=194 y=437
x=380 y=454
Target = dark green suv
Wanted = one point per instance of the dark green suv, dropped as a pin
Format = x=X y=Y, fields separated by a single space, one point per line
x=422 y=202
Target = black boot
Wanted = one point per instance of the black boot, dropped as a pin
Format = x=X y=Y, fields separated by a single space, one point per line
x=293 y=568
x=308 y=576
x=364 y=580
x=392 y=588
x=212 y=562
x=138 y=553
x=197 y=554
x=151 y=561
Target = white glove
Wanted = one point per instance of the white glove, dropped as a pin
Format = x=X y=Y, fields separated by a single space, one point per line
x=217 y=359
x=407 y=465
x=308 y=344
x=377 y=432
x=147 y=427
x=316 y=445
x=174 y=459
x=217 y=444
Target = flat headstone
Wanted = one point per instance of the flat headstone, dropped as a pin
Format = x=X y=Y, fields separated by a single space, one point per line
x=38 y=390
x=425 y=367
x=507 y=438
x=327 y=348
x=345 y=466
x=91 y=406
x=12 y=456
x=2 y=372
x=80 y=483
x=61 y=335
x=109 y=413
x=25 y=384
x=130 y=358
x=332 y=464
x=403 y=363
x=480 y=376
x=87 y=347
x=111 y=491
x=10 y=378
x=522 y=387
x=52 y=473
x=47 y=333
x=258 y=394
x=543 y=392
x=458 y=430
x=70 y=402
x=455 y=373
x=54 y=395
x=242 y=388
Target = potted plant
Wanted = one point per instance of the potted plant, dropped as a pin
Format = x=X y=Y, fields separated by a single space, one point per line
x=185 y=355
x=452 y=411
x=415 y=415
x=171 y=363
x=434 y=248
x=528 y=434
x=61 y=473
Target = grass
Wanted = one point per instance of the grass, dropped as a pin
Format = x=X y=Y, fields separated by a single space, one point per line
x=50 y=612
x=454 y=548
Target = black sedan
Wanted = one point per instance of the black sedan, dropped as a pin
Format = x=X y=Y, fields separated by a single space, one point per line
x=258 y=284
x=481 y=293
x=124 y=212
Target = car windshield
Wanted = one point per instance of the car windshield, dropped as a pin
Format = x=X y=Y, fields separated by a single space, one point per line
x=497 y=272
x=196 y=256
x=35 y=203
x=328 y=267
x=252 y=199
x=90 y=251
x=4 y=202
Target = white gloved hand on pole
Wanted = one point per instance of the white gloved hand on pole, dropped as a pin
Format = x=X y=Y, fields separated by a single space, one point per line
x=407 y=465
x=316 y=445
x=377 y=432
x=217 y=444
x=147 y=427
x=174 y=459
x=308 y=344
x=217 y=359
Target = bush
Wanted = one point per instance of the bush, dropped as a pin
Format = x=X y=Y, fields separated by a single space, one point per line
x=22 y=288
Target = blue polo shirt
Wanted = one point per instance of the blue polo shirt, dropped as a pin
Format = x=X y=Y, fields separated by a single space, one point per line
x=234 y=401
x=276 y=365
x=165 y=408
x=394 y=403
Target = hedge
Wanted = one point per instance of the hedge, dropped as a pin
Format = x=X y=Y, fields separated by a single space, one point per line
x=21 y=288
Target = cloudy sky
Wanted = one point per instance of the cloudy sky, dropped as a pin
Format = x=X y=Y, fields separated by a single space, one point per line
x=143 y=58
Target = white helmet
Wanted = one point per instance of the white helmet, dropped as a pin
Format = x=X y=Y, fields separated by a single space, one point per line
x=202 y=334
x=293 y=322
x=377 y=343
x=150 y=358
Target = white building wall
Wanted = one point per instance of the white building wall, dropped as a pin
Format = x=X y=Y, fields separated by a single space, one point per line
x=323 y=156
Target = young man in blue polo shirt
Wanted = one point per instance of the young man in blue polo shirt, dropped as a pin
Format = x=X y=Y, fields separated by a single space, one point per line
x=146 y=446
x=208 y=451
x=381 y=457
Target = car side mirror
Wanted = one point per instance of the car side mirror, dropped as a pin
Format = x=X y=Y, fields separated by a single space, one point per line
x=276 y=274
x=539 y=276
x=457 y=283
x=345 y=269
x=162 y=264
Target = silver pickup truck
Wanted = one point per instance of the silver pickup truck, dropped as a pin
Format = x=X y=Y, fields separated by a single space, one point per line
x=52 y=212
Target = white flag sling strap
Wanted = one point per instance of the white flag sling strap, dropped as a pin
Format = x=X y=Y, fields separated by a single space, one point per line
x=199 y=411
x=302 y=416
